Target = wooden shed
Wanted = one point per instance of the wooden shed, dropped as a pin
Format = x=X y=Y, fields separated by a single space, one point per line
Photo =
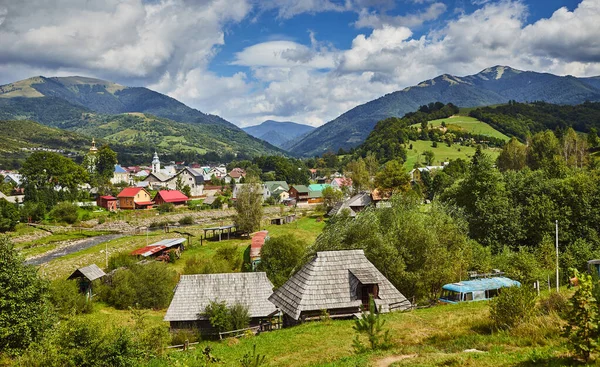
x=195 y=292
x=85 y=277
x=160 y=248
x=107 y=202
x=339 y=282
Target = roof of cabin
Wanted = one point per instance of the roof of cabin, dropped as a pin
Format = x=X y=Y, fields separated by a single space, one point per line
x=91 y=272
x=195 y=292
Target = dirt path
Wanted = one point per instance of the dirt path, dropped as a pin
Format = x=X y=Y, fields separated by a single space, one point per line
x=69 y=248
x=388 y=361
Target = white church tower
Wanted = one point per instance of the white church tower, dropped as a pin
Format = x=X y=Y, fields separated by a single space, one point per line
x=155 y=163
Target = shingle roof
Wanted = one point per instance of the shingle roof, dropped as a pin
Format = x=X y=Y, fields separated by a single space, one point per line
x=327 y=282
x=91 y=272
x=195 y=292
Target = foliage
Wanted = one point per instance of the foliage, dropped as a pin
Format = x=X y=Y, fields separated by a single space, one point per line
x=513 y=156
x=331 y=196
x=106 y=159
x=280 y=256
x=554 y=302
x=417 y=251
x=34 y=212
x=219 y=316
x=201 y=265
x=25 y=310
x=121 y=259
x=145 y=285
x=240 y=318
x=392 y=178
x=371 y=324
x=187 y=220
x=165 y=208
x=248 y=207
x=9 y=216
x=252 y=360
x=512 y=306
x=65 y=212
x=67 y=299
x=429 y=157
x=358 y=173
x=582 y=330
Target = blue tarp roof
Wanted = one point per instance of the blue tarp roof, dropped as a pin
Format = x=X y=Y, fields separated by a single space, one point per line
x=481 y=284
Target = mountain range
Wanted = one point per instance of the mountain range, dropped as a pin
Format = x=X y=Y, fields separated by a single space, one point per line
x=495 y=85
x=278 y=133
x=132 y=116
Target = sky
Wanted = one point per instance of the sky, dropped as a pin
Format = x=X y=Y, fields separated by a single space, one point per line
x=306 y=61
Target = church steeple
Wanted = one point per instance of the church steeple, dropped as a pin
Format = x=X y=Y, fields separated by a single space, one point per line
x=155 y=163
x=93 y=149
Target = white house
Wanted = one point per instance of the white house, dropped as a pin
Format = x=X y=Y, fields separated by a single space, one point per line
x=120 y=175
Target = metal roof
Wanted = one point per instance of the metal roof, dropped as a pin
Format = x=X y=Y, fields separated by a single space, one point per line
x=195 y=292
x=158 y=246
x=258 y=240
x=91 y=272
x=326 y=282
x=219 y=228
x=481 y=284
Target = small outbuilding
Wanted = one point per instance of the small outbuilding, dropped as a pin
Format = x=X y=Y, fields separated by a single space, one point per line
x=194 y=292
x=258 y=240
x=174 y=197
x=160 y=248
x=107 y=202
x=85 y=277
x=339 y=282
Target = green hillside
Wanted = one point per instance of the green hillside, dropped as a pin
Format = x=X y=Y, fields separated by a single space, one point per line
x=469 y=124
x=443 y=153
x=18 y=136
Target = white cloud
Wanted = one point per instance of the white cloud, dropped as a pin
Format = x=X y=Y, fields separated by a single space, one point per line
x=284 y=54
x=374 y=19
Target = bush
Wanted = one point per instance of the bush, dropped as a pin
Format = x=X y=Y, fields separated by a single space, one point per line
x=121 y=260
x=166 y=208
x=179 y=337
x=200 y=265
x=65 y=212
x=67 y=299
x=280 y=256
x=145 y=285
x=240 y=318
x=188 y=219
x=9 y=216
x=35 y=212
x=224 y=318
x=511 y=307
x=555 y=302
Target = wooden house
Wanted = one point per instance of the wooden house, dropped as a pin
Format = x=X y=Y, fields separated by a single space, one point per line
x=85 y=277
x=195 y=292
x=174 y=197
x=339 y=282
x=107 y=202
x=134 y=198
x=300 y=193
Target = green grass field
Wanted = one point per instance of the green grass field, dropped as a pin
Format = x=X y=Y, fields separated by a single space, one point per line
x=443 y=153
x=469 y=124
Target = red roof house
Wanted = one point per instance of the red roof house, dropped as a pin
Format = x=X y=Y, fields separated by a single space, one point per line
x=107 y=202
x=134 y=198
x=175 y=197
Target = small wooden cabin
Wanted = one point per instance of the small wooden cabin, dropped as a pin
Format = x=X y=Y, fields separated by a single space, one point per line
x=107 y=202
x=339 y=282
x=85 y=277
x=174 y=197
x=195 y=292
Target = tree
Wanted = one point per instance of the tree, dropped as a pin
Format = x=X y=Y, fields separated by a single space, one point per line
x=9 y=216
x=582 y=328
x=429 y=157
x=25 y=309
x=248 y=207
x=371 y=324
x=331 y=196
x=372 y=164
x=513 y=156
x=357 y=172
x=106 y=159
x=392 y=178
x=592 y=138
x=280 y=256
x=544 y=152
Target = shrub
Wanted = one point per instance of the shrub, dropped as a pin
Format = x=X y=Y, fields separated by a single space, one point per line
x=371 y=324
x=101 y=220
x=240 y=318
x=582 y=330
x=9 y=216
x=511 y=307
x=65 y=212
x=67 y=299
x=219 y=316
x=555 y=302
x=121 y=260
x=199 y=265
x=280 y=256
x=145 y=285
x=179 y=337
x=188 y=219
x=166 y=208
x=35 y=212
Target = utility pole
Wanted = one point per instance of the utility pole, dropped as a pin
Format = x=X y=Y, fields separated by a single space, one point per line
x=557 y=256
x=106 y=253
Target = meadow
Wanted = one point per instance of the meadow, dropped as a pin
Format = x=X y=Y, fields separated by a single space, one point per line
x=443 y=153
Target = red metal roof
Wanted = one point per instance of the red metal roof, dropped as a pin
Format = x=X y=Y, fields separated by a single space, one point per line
x=108 y=197
x=129 y=192
x=171 y=196
x=148 y=250
x=144 y=202
x=258 y=240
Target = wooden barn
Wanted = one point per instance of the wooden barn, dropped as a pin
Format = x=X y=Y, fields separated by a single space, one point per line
x=107 y=202
x=339 y=282
x=194 y=292
x=85 y=277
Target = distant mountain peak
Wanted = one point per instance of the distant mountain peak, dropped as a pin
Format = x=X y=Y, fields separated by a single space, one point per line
x=497 y=72
x=74 y=81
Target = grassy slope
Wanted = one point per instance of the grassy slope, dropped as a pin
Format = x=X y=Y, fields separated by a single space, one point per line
x=471 y=125
x=443 y=153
